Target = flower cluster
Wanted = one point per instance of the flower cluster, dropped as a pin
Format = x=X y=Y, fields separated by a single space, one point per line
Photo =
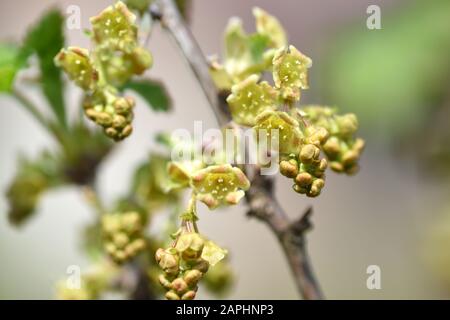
x=185 y=263
x=30 y=182
x=299 y=137
x=115 y=58
x=190 y=256
x=123 y=234
x=341 y=147
x=247 y=54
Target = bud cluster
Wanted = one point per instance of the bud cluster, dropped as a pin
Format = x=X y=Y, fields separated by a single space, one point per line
x=300 y=136
x=110 y=111
x=185 y=263
x=33 y=178
x=123 y=235
x=115 y=58
x=307 y=170
x=342 y=149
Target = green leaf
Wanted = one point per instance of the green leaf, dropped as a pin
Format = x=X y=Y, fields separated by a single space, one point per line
x=258 y=44
x=153 y=92
x=32 y=180
x=184 y=6
x=400 y=70
x=45 y=39
x=213 y=253
x=12 y=59
x=8 y=68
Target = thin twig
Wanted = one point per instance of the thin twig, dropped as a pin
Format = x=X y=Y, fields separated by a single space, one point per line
x=32 y=109
x=172 y=21
x=52 y=127
x=260 y=198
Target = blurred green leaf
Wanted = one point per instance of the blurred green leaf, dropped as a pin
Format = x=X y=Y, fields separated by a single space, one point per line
x=391 y=77
x=91 y=241
x=32 y=179
x=45 y=39
x=138 y=5
x=258 y=44
x=149 y=184
x=8 y=66
x=83 y=153
x=153 y=92
x=184 y=6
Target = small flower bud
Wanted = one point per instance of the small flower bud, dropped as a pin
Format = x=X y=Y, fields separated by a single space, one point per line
x=289 y=168
x=299 y=189
x=332 y=146
x=164 y=282
x=122 y=106
x=192 y=277
x=336 y=166
x=179 y=286
x=349 y=158
x=303 y=179
x=169 y=262
x=309 y=153
x=171 y=295
x=190 y=295
x=120 y=239
x=201 y=265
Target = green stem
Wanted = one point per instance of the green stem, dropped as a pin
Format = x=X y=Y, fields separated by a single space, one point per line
x=25 y=102
x=93 y=199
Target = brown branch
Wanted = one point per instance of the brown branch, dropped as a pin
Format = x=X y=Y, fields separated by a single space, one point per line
x=260 y=198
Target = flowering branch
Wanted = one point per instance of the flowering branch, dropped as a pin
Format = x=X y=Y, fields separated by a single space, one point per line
x=260 y=198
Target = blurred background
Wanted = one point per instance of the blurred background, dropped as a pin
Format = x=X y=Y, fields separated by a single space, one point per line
x=395 y=213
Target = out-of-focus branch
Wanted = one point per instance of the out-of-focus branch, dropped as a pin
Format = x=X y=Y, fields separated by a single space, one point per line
x=260 y=198
x=26 y=103
x=172 y=21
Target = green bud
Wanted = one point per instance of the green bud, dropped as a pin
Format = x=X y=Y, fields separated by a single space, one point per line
x=168 y=261
x=201 y=265
x=192 y=277
x=303 y=179
x=309 y=153
x=179 y=286
x=332 y=146
x=164 y=282
x=123 y=235
x=171 y=295
x=341 y=148
x=190 y=295
x=289 y=168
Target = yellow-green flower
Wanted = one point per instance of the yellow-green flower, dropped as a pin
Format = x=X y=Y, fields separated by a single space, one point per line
x=249 y=98
x=115 y=26
x=78 y=66
x=289 y=137
x=270 y=27
x=220 y=185
x=290 y=72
